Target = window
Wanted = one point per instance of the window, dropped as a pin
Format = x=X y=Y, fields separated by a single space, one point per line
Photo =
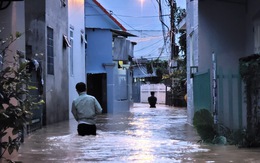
x=71 y=53
x=50 y=55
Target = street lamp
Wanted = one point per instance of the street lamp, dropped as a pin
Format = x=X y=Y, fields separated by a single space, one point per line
x=142 y=3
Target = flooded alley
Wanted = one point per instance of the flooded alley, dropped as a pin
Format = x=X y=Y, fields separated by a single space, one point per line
x=142 y=135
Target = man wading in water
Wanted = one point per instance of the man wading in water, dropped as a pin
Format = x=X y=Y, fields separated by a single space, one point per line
x=152 y=100
x=84 y=109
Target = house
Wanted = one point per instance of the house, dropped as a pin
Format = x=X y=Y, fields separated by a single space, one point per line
x=218 y=34
x=47 y=27
x=55 y=42
x=60 y=37
x=140 y=78
x=108 y=53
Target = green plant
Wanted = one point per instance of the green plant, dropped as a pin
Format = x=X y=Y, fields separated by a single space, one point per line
x=250 y=74
x=219 y=134
x=204 y=124
x=250 y=137
x=160 y=67
x=16 y=102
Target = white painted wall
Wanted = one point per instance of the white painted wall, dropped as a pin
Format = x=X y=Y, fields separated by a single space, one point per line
x=192 y=51
x=76 y=24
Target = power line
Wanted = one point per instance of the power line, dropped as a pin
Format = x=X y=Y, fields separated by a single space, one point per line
x=147 y=30
x=127 y=16
x=142 y=16
x=149 y=45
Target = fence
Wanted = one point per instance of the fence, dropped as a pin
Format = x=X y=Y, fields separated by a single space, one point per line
x=159 y=89
x=202 y=91
x=229 y=97
x=230 y=100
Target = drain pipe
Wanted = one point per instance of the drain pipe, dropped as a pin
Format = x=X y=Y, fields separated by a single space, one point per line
x=214 y=88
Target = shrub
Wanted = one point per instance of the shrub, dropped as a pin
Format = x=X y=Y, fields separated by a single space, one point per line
x=16 y=102
x=204 y=124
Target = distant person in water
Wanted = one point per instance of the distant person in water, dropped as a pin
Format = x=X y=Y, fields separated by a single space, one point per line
x=152 y=100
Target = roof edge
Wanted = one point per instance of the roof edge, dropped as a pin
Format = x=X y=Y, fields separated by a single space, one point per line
x=109 y=15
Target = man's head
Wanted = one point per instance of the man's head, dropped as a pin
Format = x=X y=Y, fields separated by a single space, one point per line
x=80 y=87
x=152 y=93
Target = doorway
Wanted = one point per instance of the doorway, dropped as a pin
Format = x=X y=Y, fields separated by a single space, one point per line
x=97 y=87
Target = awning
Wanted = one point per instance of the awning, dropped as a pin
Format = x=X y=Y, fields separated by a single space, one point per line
x=122 y=33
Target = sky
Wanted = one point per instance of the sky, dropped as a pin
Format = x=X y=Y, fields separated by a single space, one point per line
x=141 y=18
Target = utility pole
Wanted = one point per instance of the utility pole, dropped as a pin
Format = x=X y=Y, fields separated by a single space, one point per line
x=173 y=28
x=172 y=4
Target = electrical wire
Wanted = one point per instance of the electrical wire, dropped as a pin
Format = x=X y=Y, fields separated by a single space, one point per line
x=140 y=67
x=165 y=29
x=149 y=45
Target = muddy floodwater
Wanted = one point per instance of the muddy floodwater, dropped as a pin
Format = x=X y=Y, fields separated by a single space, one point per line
x=142 y=135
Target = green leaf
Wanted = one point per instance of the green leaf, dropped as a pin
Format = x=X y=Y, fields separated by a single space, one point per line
x=18 y=34
x=32 y=87
x=10 y=139
x=17 y=146
x=16 y=131
x=10 y=150
x=4 y=144
x=2 y=134
x=5 y=115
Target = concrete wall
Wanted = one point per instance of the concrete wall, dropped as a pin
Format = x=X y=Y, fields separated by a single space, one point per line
x=222 y=33
x=57 y=97
x=192 y=51
x=253 y=15
x=99 y=50
x=35 y=27
x=77 y=57
x=12 y=21
x=224 y=28
x=40 y=15
x=123 y=90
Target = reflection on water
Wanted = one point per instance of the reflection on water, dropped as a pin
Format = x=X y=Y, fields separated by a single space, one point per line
x=141 y=135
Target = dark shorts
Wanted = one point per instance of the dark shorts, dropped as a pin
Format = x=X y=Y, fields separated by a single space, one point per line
x=87 y=129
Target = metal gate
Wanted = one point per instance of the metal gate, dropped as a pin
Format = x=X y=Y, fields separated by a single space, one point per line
x=37 y=119
x=229 y=97
x=202 y=93
x=230 y=100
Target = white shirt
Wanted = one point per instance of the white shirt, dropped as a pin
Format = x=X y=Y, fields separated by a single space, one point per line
x=85 y=108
